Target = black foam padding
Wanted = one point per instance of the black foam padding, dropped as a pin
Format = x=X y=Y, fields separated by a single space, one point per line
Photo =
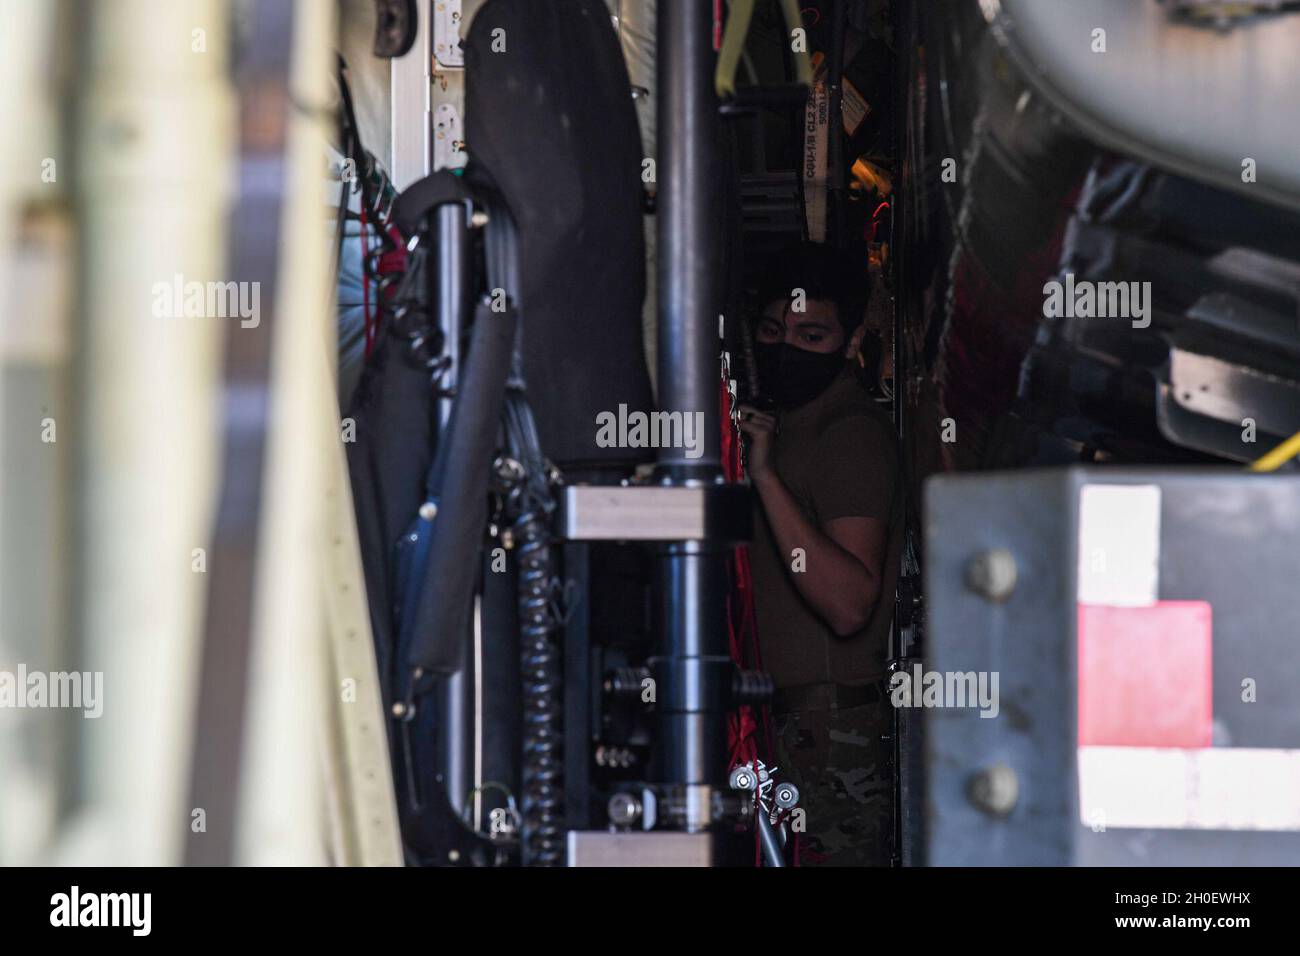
x=461 y=472
x=550 y=120
x=393 y=410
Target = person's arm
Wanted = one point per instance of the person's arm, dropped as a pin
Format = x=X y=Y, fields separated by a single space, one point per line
x=844 y=558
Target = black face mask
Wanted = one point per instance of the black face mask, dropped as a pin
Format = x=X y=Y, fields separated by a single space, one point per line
x=792 y=376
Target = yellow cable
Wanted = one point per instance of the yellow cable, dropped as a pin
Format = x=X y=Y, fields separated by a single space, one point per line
x=1279 y=456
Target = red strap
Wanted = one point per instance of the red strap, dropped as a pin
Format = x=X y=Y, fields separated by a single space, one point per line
x=742 y=634
x=741 y=620
x=365 y=280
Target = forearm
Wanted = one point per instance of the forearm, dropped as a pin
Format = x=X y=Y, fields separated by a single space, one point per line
x=838 y=587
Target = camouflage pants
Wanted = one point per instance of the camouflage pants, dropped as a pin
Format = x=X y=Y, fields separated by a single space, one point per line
x=841 y=761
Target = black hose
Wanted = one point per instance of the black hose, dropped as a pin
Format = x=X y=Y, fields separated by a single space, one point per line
x=459 y=481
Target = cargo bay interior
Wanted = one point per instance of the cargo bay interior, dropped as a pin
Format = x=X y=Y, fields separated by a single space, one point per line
x=768 y=433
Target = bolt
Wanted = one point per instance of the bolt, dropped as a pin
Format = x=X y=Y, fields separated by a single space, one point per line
x=742 y=778
x=995 y=790
x=624 y=809
x=992 y=574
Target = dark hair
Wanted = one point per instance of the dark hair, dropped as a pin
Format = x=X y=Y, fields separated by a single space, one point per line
x=824 y=273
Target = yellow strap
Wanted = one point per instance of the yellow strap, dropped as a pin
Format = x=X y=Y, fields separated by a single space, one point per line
x=741 y=13
x=733 y=44
x=1279 y=456
x=803 y=71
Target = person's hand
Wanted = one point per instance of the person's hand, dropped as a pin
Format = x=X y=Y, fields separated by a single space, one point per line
x=760 y=430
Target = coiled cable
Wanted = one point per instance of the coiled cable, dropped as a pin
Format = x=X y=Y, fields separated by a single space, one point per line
x=531 y=503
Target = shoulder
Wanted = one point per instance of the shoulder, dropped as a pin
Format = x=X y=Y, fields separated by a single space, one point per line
x=856 y=470
x=858 y=424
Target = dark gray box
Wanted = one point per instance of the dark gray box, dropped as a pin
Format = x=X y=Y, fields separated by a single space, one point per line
x=1226 y=536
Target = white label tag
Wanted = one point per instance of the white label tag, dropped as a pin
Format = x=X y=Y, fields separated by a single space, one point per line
x=854 y=107
x=815 y=151
x=1119 y=545
x=1217 y=788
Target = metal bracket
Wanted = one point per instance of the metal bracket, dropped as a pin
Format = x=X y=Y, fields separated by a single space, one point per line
x=448 y=52
x=655 y=513
x=448 y=138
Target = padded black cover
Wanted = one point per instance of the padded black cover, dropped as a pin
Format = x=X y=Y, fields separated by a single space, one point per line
x=550 y=121
x=393 y=412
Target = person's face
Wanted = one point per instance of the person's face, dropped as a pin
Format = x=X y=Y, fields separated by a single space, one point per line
x=816 y=329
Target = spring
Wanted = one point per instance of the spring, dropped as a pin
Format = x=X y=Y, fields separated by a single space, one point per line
x=542 y=740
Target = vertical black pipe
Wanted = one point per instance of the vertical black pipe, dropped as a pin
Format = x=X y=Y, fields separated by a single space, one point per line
x=693 y=668
x=694 y=672
x=689 y=213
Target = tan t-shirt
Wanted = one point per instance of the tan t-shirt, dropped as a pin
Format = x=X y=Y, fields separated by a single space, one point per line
x=838 y=457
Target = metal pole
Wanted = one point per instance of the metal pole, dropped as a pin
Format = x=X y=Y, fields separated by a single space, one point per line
x=693 y=672
x=690 y=229
x=770 y=841
x=455 y=693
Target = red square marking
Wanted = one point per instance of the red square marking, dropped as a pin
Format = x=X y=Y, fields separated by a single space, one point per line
x=1145 y=675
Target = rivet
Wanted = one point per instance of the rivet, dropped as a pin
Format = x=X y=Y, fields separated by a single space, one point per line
x=992 y=574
